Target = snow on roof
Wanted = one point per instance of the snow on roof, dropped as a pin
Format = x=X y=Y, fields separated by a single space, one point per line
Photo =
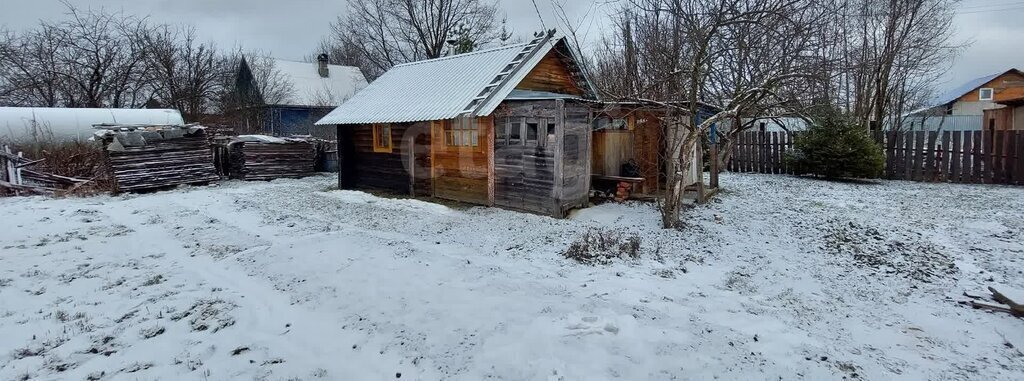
x=310 y=89
x=19 y=123
x=436 y=89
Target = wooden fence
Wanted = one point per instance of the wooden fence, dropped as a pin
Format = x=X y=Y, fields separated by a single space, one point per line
x=948 y=156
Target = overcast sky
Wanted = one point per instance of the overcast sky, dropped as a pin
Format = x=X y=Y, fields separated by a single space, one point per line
x=290 y=29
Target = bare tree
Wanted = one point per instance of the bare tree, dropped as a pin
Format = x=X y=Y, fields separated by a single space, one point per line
x=185 y=74
x=90 y=59
x=385 y=33
x=683 y=54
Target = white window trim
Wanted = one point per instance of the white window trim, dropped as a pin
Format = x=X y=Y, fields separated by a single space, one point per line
x=991 y=94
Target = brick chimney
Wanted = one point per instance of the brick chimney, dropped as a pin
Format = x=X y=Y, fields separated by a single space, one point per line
x=321 y=61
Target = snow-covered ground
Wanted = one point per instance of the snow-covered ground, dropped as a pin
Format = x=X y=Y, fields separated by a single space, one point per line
x=779 y=278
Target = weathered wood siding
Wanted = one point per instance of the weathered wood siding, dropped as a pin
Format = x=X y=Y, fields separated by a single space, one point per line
x=611 y=149
x=575 y=158
x=646 y=151
x=397 y=171
x=461 y=173
x=549 y=174
x=550 y=75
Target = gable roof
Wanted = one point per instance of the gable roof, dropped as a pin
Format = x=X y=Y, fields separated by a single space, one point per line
x=972 y=85
x=444 y=88
x=310 y=89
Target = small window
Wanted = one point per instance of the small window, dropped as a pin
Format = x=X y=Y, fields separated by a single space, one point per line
x=501 y=131
x=515 y=133
x=571 y=148
x=606 y=123
x=551 y=130
x=985 y=94
x=462 y=132
x=531 y=131
x=382 y=138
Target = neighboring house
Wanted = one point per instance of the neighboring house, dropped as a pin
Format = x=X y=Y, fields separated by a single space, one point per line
x=307 y=92
x=966 y=107
x=508 y=127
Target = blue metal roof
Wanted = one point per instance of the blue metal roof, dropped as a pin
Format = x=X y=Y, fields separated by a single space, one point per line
x=956 y=93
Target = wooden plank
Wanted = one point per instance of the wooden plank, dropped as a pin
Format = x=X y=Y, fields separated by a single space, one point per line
x=967 y=159
x=899 y=150
x=908 y=156
x=745 y=157
x=779 y=159
x=954 y=157
x=783 y=168
x=1010 y=169
x=997 y=159
x=988 y=160
x=976 y=157
x=919 y=155
x=1020 y=158
x=930 y=153
x=943 y=156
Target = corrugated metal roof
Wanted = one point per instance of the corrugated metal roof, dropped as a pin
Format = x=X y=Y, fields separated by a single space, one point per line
x=310 y=89
x=436 y=89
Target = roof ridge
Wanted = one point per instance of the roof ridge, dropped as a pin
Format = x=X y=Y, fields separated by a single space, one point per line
x=475 y=52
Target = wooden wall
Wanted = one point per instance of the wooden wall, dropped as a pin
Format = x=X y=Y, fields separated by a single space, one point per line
x=549 y=175
x=550 y=75
x=399 y=171
x=1005 y=87
x=641 y=142
x=524 y=172
x=611 y=149
x=461 y=173
x=575 y=157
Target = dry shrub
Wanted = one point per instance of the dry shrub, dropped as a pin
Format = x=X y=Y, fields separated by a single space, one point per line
x=77 y=159
x=602 y=246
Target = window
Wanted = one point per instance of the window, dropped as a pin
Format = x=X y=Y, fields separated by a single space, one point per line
x=501 y=131
x=607 y=123
x=571 y=148
x=382 y=138
x=462 y=132
x=531 y=131
x=985 y=94
x=515 y=133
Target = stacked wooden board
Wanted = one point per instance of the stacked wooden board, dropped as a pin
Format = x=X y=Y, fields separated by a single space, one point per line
x=146 y=158
x=253 y=157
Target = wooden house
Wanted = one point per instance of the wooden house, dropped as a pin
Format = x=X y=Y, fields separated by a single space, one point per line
x=509 y=127
x=306 y=92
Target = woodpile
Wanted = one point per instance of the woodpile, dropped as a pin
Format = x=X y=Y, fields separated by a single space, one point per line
x=257 y=157
x=153 y=157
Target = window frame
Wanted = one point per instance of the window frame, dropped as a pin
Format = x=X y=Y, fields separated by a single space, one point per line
x=461 y=133
x=380 y=130
x=991 y=94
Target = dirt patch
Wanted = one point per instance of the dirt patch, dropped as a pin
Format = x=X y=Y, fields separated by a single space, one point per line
x=209 y=314
x=909 y=256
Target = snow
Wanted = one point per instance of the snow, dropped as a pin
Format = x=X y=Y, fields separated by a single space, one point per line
x=310 y=89
x=780 y=277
